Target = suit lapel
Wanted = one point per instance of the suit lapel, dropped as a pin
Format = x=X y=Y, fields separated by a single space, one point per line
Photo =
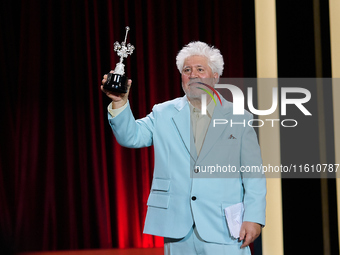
x=213 y=133
x=182 y=123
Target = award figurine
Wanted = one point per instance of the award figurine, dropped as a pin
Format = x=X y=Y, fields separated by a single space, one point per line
x=117 y=81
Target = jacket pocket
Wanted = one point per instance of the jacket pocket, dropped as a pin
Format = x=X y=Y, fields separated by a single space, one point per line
x=158 y=200
x=160 y=185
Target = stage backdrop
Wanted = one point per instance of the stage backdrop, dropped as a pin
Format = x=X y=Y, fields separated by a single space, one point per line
x=65 y=183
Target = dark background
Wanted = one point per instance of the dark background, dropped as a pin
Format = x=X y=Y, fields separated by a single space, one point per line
x=64 y=181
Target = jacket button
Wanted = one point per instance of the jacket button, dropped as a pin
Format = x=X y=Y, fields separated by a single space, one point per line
x=196 y=170
x=193 y=198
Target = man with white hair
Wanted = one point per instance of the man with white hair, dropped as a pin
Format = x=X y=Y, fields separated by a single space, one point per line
x=186 y=206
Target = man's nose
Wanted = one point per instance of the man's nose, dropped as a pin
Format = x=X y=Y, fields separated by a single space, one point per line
x=193 y=74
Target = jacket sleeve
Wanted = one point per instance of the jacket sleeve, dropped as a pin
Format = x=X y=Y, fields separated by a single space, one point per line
x=254 y=181
x=132 y=133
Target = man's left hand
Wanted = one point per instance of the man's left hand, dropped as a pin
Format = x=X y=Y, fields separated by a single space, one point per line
x=249 y=232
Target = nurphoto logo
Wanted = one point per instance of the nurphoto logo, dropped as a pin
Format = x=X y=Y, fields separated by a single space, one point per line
x=238 y=104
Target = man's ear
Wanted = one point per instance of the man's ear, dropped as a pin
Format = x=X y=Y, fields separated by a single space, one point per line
x=216 y=78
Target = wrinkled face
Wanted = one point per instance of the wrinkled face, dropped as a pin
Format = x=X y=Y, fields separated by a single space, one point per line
x=196 y=69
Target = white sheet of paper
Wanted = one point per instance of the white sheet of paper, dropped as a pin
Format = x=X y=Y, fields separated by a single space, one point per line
x=234 y=216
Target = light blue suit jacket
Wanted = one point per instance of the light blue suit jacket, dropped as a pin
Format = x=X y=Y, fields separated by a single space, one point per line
x=171 y=209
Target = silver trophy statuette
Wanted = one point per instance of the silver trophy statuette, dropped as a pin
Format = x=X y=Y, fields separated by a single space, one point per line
x=117 y=81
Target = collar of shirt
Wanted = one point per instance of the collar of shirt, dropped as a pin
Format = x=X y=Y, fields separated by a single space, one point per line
x=196 y=111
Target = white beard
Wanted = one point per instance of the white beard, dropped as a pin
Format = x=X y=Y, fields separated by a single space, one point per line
x=192 y=91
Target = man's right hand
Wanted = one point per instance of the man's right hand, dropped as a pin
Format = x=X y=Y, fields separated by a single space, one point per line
x=118 y=99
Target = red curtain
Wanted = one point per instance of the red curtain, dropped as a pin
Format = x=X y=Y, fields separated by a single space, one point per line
x=65 y=183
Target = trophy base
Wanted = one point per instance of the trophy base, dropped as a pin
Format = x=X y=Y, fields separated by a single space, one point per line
x=116 y=83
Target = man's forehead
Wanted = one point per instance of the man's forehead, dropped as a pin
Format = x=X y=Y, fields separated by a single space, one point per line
x=195 y=65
